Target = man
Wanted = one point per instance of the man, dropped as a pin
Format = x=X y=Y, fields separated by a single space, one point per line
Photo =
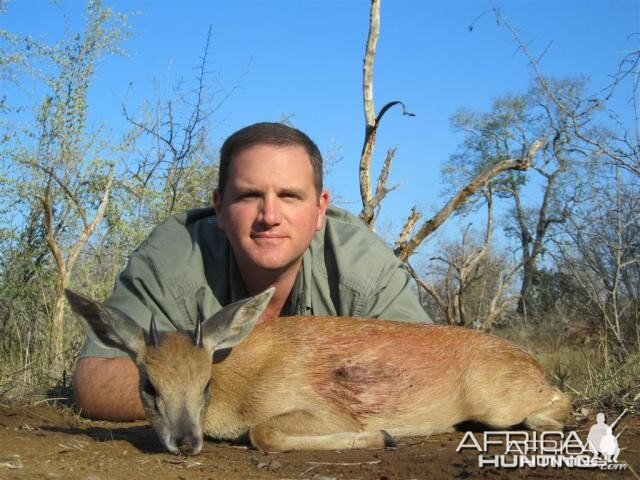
x=272 y=227
x=596 y=434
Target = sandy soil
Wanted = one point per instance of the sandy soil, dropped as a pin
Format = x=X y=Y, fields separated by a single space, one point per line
x=46 y=442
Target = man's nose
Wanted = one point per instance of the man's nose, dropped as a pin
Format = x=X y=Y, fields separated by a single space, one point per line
x=270 y=214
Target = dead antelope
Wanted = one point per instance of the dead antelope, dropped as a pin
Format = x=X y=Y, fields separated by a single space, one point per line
x=318 y=383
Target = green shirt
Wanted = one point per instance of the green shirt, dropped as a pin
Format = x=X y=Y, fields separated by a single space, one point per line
x=347 y=270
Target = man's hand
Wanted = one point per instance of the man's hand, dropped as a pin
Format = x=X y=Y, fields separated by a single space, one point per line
x=107 y=389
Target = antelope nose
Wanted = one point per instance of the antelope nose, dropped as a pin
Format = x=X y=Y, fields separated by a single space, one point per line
x=188 y=445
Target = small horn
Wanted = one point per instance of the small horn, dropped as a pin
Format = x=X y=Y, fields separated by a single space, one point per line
x=153 y=333
x=197 y=333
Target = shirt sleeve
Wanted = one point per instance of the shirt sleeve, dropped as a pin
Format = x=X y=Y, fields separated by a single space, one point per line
x=131 y=295
x=93 y=349
x=394 y=298
x=163 y=277
x=140 y=293
x=371 y=282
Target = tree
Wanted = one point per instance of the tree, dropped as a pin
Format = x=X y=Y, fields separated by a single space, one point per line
x=171 y=166
x=469 y=282
x=600 y=247
x=61 y=168
x=88 y=200
x=619 y=144
x=512 y=124
x=408 y=241
x=176 y=162
x=601 y=252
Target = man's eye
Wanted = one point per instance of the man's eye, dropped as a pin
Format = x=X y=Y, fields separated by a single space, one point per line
x=290 y=196
x=248 y=196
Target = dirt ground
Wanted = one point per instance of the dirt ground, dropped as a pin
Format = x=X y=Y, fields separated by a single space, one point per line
x=52 y=442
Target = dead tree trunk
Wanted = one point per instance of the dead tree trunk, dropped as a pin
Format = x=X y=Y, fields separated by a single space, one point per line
x=64 y=265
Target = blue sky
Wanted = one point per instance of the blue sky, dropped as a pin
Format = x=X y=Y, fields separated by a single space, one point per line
x=304 y=59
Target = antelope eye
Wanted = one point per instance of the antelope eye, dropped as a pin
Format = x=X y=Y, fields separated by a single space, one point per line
x=149 y=389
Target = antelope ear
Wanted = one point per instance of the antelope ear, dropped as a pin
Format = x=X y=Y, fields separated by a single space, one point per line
x=108 y=326
x=233 y=323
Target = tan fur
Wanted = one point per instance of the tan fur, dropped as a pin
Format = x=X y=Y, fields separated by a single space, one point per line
x=335 y=383
x=322 y=382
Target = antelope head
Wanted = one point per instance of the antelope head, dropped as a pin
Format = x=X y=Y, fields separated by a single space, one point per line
x=174 y=367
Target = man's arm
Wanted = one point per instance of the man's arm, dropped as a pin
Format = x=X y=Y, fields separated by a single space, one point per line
x=374 y=282
x=394 y=298
x=107 y=389
x=105 y=380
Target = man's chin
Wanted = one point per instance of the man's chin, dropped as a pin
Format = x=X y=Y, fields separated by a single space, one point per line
x=276 y=266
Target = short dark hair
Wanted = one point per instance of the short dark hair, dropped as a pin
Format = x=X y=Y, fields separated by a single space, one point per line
x=268 y=133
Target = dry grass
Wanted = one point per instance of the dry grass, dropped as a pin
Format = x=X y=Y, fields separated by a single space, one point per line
x=594 y=378
x=594 y=375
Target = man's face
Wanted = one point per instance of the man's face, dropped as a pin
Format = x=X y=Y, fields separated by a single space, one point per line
x=270 y=210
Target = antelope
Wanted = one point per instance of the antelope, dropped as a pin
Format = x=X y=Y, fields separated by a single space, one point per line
x=322 y=383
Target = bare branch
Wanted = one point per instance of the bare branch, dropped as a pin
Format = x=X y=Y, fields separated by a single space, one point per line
x=629 y=159
x=370 y=53
x=500 y=301
x=62 y=184
x=381 y=188
x=371 y=203
x=444 y=306
x=474 y=259
x=48 y=228
x=405 y=249
x=409 y=224
x=88 y=230
x=367 y=213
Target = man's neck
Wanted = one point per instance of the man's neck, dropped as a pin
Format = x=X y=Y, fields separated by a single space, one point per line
x=256 y=282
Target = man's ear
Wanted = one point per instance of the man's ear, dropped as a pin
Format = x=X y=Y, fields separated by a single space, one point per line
x=234 y=322
x=323 y=203
x=217 y=206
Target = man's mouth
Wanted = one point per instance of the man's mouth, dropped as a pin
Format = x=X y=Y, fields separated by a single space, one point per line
x=267 y=237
